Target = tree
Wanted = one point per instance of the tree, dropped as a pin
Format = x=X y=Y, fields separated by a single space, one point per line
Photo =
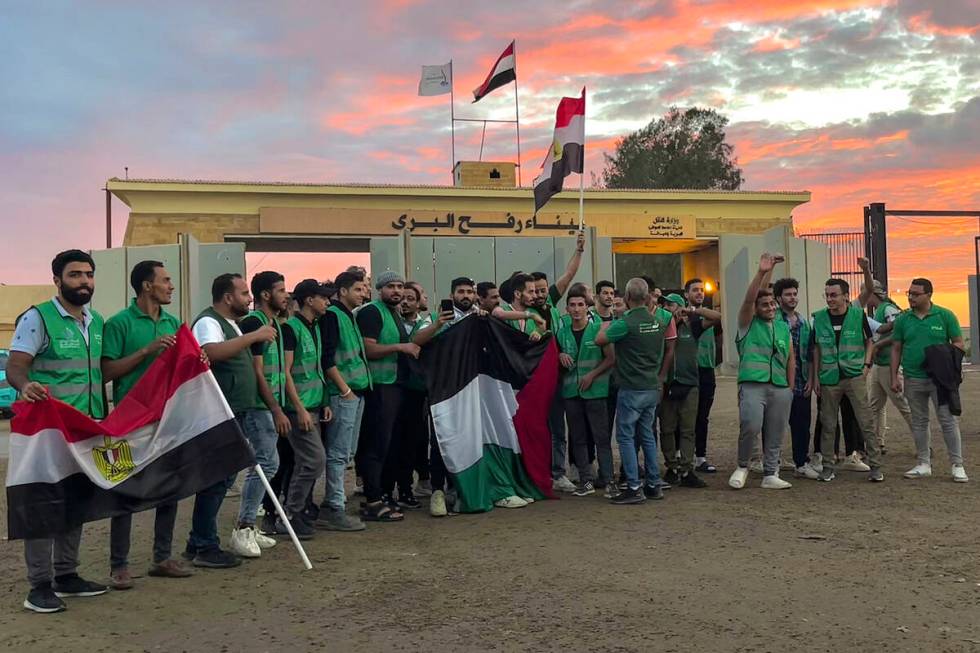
x=684 y=149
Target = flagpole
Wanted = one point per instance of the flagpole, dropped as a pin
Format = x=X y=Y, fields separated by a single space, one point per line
x=517 y=115
x=581 y=177
x=452 y=120
x=282 y=516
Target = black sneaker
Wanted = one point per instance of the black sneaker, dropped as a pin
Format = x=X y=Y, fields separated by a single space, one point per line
x=189 y=553
x=216 y=559
x=827 y=474
x=268 y=525
x=75 y=585
x=655 y=492
x=389 y=501
x=671 y=477
x=584 y=489
x=303 y=530
x=43 y=599
x=628 y=496
x=691 y=480
x=407 y=500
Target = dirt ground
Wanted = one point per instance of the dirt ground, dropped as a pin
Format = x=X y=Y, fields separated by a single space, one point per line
x=820 y=567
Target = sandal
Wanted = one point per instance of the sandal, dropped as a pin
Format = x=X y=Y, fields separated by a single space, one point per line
x=706 y=467
x=380 y=512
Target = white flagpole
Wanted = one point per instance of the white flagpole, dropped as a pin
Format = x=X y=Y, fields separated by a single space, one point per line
x=581 y=179
x=282 y=516
x=517 y=116
x=452 y=120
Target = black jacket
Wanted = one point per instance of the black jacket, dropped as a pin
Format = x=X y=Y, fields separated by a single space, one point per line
x=944 y=365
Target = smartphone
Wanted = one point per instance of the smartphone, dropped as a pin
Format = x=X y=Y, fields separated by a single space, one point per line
x=446 y=306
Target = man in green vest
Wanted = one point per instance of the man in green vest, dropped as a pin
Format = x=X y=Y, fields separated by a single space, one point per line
x=923 y=326
x=679 y=407
x=841 y=360
x=584 y=390
x=56 y=352
x=766 y=365
x=787 y=292
x=642 y=363
x=388 y=348
x=217 y=332
x=345 y=367
x=518 y=312
x=266 y=424
x=306 y=397
x=694 y=292
x=133 y=339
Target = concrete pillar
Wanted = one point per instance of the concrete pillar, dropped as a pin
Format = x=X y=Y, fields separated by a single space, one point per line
x=974 y=320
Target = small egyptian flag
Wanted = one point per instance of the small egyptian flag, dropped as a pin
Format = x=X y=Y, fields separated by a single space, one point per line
x=567 y=153
x=172 y=436
x=504 y=72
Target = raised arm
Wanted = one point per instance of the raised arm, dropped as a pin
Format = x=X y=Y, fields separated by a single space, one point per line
x=869 y=282
x=766 y=264
x=565 y=280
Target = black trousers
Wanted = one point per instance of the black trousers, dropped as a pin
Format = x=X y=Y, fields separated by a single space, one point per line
x=706 y=397
x=381 y=410
x=800 y=415
x=846 y=424
x=280 y=481
x=411 y=431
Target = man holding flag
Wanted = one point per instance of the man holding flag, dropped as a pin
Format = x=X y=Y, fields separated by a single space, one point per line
x=567 y=153
x=56 y=352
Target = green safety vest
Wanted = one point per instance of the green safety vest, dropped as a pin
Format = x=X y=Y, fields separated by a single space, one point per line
x=349 y=358
x=849 y=355
x=587 y=357
x=69 y=367
x=706 y=349
x=529 y=325
x=555 y=318
x=686 y=350
x=384 y=371
x=235 y=376
x=764 y=353
x=307 y=370
x=273 y=363
x=884 y=356
x=805 y=331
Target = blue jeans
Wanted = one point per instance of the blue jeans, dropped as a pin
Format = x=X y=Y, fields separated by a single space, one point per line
x=635 y=413
x=340 y=444
x=204 y=520
x=260 y=431
x=559 y=441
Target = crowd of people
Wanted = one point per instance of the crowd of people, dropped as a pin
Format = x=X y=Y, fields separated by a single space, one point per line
x=319 y=380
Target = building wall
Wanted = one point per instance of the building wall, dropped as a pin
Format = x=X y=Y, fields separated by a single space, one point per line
x=14 y=300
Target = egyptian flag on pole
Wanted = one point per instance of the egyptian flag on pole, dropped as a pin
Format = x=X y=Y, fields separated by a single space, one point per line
x=490 y=388
x=504 y=72
x=172 y=436
x=567 y=153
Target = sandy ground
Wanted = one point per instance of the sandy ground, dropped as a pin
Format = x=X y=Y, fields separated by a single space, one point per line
x=820 y=567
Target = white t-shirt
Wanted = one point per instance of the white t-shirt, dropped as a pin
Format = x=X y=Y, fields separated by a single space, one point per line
x=207 y=331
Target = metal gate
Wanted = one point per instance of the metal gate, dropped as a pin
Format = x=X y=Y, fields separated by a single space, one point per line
x=846 y=247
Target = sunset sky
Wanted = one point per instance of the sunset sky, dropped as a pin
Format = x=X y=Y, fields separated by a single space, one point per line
x=855 y=101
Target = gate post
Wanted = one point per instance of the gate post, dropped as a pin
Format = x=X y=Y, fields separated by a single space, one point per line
x=875 y=244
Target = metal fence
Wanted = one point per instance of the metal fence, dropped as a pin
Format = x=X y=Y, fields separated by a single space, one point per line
x=846 y=247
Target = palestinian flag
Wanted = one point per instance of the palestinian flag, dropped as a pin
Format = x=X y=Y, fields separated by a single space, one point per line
x=172 y=436
x=567 y=153
x=504 y=72
x=490 y=388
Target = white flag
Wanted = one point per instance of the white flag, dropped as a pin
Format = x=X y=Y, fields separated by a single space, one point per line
x=436 y=80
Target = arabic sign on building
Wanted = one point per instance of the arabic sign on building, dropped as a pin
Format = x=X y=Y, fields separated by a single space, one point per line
x=382 y=222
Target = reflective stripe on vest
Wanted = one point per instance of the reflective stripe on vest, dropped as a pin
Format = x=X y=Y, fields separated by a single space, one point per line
x=273 y=361
x=384 y=371
x=69 y=366
x=306 y=371
x=849 y=354
x=587 y=357
x=764 y=353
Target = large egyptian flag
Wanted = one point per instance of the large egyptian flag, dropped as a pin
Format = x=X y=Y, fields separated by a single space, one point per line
x=172 y=436
x=567 y=153
x=504 y=72
x=490 y=388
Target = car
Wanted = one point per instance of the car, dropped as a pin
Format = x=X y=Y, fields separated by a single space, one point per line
x=7 y=394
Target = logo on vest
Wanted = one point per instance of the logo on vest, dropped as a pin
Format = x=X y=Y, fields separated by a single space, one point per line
x=114 y=460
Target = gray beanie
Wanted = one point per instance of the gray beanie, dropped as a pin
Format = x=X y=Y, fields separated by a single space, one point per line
x=386 y=277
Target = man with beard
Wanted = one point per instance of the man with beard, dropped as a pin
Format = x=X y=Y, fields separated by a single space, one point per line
x=56 y=352
x=489 y=295
x=605 y=297
x=133 y=339
x=216 y=330
x=388 y=349
x=266 y=424
x=707 y=357
x=423 y=301
x=413 y=456
x=518 y=313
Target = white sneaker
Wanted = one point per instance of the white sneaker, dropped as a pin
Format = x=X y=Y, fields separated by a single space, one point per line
x=755 y=466
x=243 y=543
x=853 y=463
x=816 y=462
x=423 y=489
x=806 y=471
x=737 y=480
x=437 y=504
x=959 y=474
x=264 y=541
x=919 y=471
x=528 y=500
x=510 y=502
x=773 y=482
x=562 y=484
